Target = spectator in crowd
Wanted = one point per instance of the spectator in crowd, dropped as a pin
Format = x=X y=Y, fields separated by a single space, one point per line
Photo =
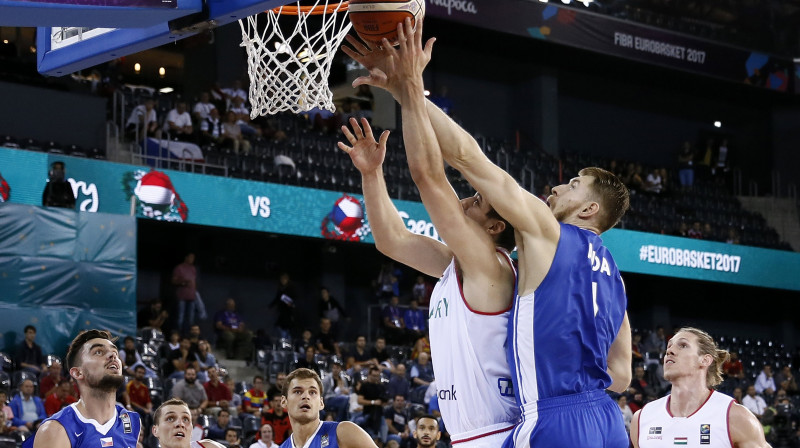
x=656 y=346
x=49 y=382
x=197 y=429
x=28 y=409
x=284 y=300
x=130 y=356
x=231 y=132
x=703 y=164
x=58 y=191
x=633 y=176
x=371 y=395
x=733 y=236
x=708 y=232
x=721 y=162
x=627 y=414
x=173 y=343
x=191 y=391
x=5 y=409
x=139 y=393
x=153 y=315
x=640 y=384
x=243 y=117
x=235 y=91
x=181 y=359
x=330 y=308
x=326 y=340
x=359 y=357
x=653 y=182
x=60 y=398
x=184 y=277
x=427 y=432
x=421 y=291
x=236 y=399
x=205 y=360
x=218 y=394
x=423 y=344
x=277 y=388
x=266 y=440
x=203 y=107
x=211 y=130
x=416 y=321
x=178 y=124
x=337 y=387
x=306 y=340
x=388 y=281
x=686 y=166
x=232 y=438
x=393 y=326
x=6 y=428
x=547 y=190
x=217 y=428
x=755 y=403
x=636 y=402
x=765 y=383
x=637 y=348
x=308 y=361
x=378 y=353
x=143 y=122
x=397 y=417
x=253 y=400
x=398 y=383
x=234 y=337
x=275 y=416
x=29 y=355
x=784 y=380
x=422 y=371
x=738 y=395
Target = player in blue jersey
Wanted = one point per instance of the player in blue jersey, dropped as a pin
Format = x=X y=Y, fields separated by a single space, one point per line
x=302 y=397
x=95 y=420
x=569 y=335
x=172 y=426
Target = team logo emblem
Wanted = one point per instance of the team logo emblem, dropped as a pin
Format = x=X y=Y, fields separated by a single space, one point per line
x=156 y=196
x=324 y=441
x=705 y=434
x=345 y=221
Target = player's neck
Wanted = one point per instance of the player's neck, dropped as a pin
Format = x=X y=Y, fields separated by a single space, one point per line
x=688 y=396
x=301 y=432
x=97 y=405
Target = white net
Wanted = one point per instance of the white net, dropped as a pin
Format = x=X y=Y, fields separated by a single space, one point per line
x=289 y=69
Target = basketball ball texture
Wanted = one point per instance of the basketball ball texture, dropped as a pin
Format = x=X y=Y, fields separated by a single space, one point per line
x=374 y=20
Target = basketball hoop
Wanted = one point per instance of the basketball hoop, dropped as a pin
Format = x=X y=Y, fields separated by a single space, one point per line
x=289 y=71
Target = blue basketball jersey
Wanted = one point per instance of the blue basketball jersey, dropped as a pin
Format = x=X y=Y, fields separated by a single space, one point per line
x=559 y=335
x=324 y=438
x=120 y=432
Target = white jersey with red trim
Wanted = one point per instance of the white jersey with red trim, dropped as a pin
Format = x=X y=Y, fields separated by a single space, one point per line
x=206 y=443
x=473 y=380
x=706 y=427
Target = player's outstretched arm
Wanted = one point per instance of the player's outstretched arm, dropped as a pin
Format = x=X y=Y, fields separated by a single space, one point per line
x=392 y=237
x=472 y=244
x=350 y=435
x=745 y=429
x=635 y=428
x=51 y=435
x=523 y=210
x=620 y=358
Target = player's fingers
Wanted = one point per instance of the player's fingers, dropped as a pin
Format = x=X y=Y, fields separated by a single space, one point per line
x=344 y=147
x=367 y=128
x=429 y=46
x=350 y=52
x=384 y=138
x=414 y=32
x=357 y=44
x=356 y=128
x=349 y=135
x=401 y=35
x=388 y=47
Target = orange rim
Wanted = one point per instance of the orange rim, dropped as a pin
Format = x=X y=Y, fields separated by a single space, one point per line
x=317 y=10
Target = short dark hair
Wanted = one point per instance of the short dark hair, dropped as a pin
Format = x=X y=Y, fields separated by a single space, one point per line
x=301 y=374
x=225 y=411
x=129 y=338
x=76 y=345
x=506 y=238
x=258 y=377
x=190 y=368
x=611 y=193
x=139 y=367
x=170 y=402
x=232 y=429
x=29 y=327
x=430 y=417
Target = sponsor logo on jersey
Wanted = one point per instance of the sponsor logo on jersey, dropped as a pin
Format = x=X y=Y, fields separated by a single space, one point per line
x=442 y=306
x=654 y=433
x=506 y=387
x=655 y=430
x=705 y=434
x=324 y=441
x=447 y=394
x=126 y=422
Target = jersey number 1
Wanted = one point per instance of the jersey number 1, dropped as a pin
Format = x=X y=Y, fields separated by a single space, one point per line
x=594 y=298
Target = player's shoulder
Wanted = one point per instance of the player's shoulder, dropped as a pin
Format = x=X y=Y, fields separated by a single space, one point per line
x=51 y=434
x=207 y=443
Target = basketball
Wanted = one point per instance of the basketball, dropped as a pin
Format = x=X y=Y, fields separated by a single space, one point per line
x=375 y=20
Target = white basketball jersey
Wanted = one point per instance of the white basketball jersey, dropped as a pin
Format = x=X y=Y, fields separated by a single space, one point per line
x=707 y=427
x=473 y=380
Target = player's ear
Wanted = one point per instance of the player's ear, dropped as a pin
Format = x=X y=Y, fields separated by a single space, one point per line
x=590 y=209
x=154 y=430
x=75 y=373
x=283 y=401
x=497 y=227
x=706 y=360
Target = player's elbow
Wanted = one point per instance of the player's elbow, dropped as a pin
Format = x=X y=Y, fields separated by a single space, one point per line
x=620 y=380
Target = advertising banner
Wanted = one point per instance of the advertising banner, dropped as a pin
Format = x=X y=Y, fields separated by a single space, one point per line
x=175 y=196
x=605 y=34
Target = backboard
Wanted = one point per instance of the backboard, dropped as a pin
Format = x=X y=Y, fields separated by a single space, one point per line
x=76 y=34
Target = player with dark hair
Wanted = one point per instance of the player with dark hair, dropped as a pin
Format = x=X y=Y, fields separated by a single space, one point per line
x=569 y=336
x=427 y=432
x=694 y=414
x=95 y=420
x=172 y=426
x=302 y=397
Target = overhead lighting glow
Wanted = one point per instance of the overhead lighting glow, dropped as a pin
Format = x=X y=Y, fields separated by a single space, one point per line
x=162 y=71
x=717 y=124
x=427 y=92
x=137 y=67
x=166 y=90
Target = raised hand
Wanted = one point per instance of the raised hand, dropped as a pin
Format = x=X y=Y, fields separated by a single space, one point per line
x=366 y=153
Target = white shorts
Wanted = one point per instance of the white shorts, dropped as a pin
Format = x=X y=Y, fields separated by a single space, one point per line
x=494 y=439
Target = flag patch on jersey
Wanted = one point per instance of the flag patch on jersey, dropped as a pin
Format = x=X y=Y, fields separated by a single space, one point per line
x=106 y=441
x=681 y=441
x=655 y=430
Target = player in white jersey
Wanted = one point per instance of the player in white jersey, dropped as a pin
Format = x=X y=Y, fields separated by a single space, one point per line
x=470 y=306
x=172 y=426
x=694 y=414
